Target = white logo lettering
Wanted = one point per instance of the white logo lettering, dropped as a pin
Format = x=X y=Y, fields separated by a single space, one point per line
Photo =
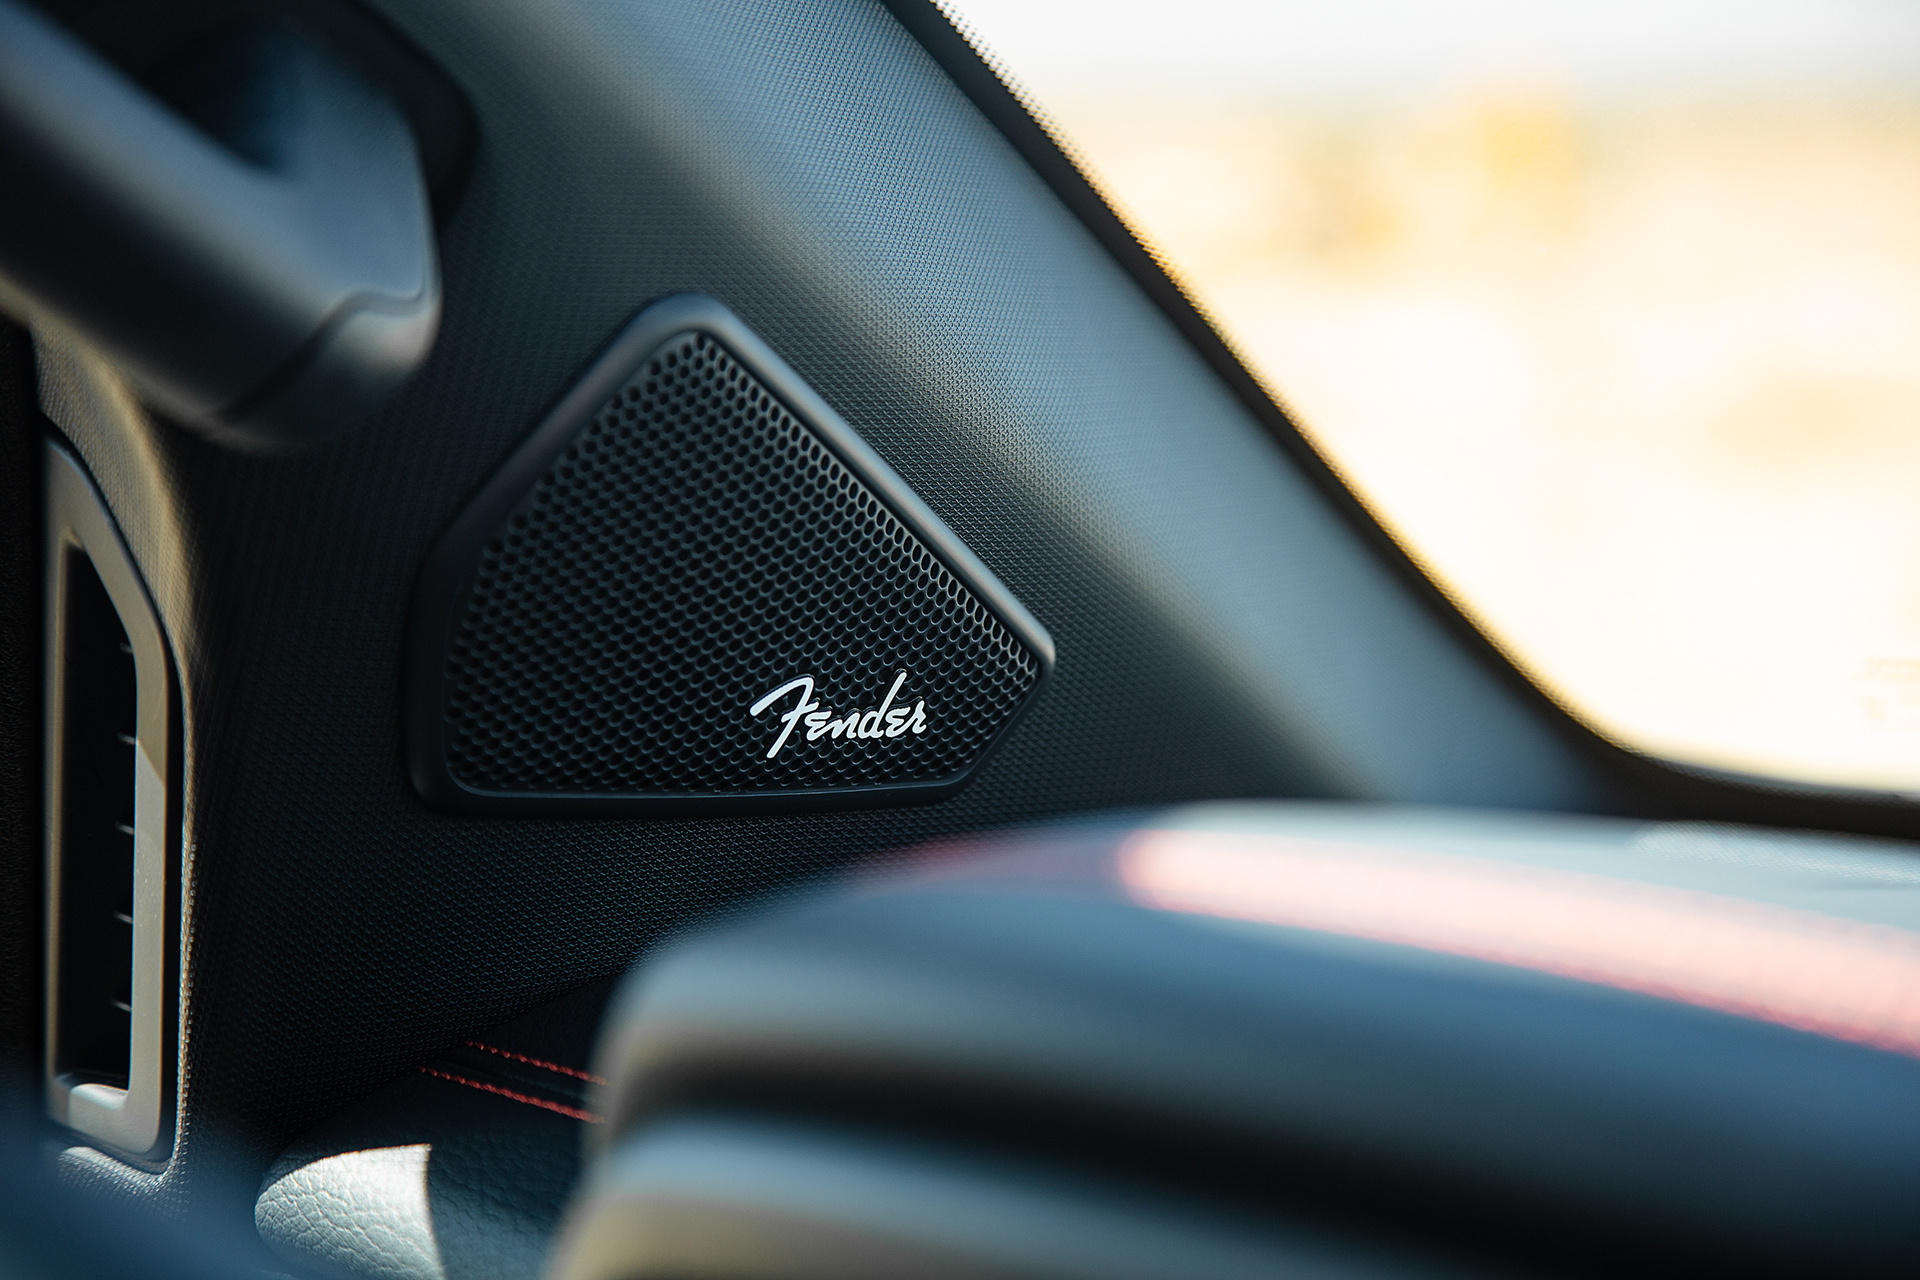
x=888 y=721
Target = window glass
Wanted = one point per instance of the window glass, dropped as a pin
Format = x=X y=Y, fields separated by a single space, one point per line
x=1610 y=311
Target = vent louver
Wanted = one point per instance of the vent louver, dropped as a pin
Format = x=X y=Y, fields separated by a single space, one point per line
x=99 y=713
x=112 y=720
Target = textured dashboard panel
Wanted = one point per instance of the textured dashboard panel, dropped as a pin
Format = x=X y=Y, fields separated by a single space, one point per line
x=1223 y=632
x=701 y=599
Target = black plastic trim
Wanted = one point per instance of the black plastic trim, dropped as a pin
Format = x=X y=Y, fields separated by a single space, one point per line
x=449 y=569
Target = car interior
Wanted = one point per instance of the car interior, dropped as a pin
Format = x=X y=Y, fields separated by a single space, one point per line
x=646 y=640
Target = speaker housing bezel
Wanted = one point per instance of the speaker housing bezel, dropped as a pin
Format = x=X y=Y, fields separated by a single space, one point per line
x=447 y=575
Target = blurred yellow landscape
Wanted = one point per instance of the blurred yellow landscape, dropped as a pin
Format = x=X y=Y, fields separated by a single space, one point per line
x=1637 y=377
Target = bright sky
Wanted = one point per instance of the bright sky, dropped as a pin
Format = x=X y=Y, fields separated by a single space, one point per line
x=1247 y=44
x=1609 y=308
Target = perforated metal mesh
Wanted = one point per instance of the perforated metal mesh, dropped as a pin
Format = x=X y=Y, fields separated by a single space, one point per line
x=692 y=550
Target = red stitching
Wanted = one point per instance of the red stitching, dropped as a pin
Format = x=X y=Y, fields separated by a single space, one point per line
x=575 y=1072
x=571 y=1112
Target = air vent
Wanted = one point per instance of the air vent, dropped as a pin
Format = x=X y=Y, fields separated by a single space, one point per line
x=111 y=845
x=99 y=715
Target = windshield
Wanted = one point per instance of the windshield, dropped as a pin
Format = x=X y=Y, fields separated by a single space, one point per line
x=1610 y=311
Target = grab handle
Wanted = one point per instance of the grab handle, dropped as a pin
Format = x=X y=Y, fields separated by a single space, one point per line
x=268 y=274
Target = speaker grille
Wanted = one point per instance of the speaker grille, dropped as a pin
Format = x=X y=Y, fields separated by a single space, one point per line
x=692 y=549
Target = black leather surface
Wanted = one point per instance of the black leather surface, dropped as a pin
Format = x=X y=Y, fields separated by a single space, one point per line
x=456 y=1171
x=727 y=1197
x=51 y=1232
x=1637 y=1078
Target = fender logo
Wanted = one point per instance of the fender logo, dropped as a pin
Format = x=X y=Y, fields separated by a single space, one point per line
x=887 y=722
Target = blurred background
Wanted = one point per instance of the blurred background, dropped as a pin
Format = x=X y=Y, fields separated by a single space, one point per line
x=1609 y=309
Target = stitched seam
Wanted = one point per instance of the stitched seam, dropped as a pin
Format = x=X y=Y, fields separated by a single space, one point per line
x=571 y=1112
x=575 y=1072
